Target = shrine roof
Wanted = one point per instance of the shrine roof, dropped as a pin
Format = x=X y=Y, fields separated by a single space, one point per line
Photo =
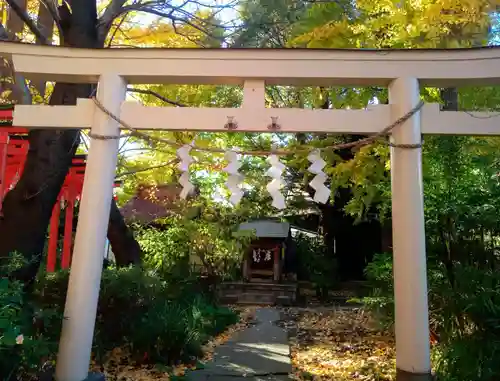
x=267 y=228
x=152 y=202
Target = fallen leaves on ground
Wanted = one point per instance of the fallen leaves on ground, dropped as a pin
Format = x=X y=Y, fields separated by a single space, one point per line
x=247 y=315
x=340 y=345
x=120 y=366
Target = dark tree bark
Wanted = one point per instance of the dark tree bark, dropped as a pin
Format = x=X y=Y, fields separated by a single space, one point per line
x=28 y=207
x=354 y=244
x=125 y=248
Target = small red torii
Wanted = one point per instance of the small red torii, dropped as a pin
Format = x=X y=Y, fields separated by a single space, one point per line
x=14 y=147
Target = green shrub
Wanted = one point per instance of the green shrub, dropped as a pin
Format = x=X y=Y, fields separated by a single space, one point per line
x=215 y=319
x=165 y=250
x=27 y=335
x=467 y=315
x=381 y=301
x=158 y=320
x=472 y=357
x=169 y=331
x=464 y=313
x=314 y=264
x=173 y=331
x=208 y=240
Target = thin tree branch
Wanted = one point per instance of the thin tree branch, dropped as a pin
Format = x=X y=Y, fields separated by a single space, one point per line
x=169 y=163
x=169 y=15
x=145 y=149
x=54 y=13
x=124 y=143
x=189 y=38
x=113 y=10
x=155 y=94
x=23 y=93
x=23 y=15
x=120 y=23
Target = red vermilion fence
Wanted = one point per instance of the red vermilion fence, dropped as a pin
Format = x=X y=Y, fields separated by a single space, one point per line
x=14 y=147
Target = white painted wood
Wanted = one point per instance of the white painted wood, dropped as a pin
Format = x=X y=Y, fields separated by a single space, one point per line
x=248 y=119
x=410 y=274
x=142 y=117
x=274 y=66
x=254 y=94
x=44 y=116
x=88 y=255
x=372 y=120
x=438 y=122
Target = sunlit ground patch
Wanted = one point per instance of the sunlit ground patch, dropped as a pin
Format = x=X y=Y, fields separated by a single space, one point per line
x=341 y=345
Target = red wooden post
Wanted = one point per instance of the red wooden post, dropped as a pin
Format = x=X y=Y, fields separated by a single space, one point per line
x=68 y=233
x=53 y=237
x=12 y=158
x=4 y=141
x=13 y=154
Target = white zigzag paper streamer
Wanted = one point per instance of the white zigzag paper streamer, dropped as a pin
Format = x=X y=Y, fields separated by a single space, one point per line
x=235 y=178
x=274 y=187
x=186 y=160
x=322 y=193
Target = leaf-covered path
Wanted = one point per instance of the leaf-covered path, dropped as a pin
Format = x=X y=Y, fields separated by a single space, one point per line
x=321 y=344
x=316 y=344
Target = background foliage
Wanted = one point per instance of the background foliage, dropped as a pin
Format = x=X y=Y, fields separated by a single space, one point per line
x=460 y=184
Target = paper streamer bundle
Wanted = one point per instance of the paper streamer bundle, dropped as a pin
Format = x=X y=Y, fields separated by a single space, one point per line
x=184 y=154
x=274 y=187
x=322 y=192
x=235 y=178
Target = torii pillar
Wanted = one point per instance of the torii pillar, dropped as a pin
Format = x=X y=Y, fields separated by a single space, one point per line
x=409 y=258
x=85 y=277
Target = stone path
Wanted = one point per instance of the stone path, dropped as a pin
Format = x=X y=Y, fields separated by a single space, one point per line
x=260 y=352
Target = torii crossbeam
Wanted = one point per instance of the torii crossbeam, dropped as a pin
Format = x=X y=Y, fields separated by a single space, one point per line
x=403 y=71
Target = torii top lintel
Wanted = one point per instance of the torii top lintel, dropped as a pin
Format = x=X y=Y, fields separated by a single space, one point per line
x=256 y=68
x=359 y=67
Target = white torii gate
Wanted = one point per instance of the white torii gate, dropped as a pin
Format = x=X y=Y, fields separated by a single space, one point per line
x=403 y=71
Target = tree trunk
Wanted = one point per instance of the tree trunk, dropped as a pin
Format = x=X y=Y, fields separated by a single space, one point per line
x=13 y=25
x=28 y=207
x=125 y=248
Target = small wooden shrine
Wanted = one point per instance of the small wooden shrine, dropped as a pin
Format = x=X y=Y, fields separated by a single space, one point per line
x=265 y=258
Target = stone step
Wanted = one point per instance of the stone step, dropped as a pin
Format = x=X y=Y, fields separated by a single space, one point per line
x=257 y=293
x=263 y=292
x=254 y=291
x=256 y=298
x=258 y=286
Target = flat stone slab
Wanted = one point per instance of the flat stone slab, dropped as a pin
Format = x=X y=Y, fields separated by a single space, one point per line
x=260 y=352
x=214 y=377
